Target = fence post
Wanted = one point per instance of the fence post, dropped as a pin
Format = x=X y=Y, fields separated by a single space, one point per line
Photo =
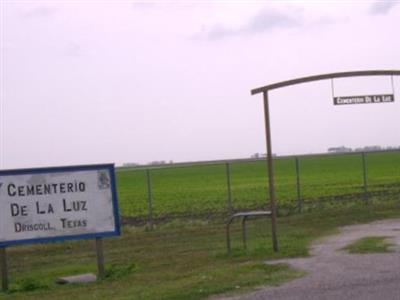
x=150 y=198
x=228 y=183
x=365 y=179
x=299 y=200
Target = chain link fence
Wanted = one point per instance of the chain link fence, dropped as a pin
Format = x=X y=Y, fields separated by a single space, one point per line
x=203 y=190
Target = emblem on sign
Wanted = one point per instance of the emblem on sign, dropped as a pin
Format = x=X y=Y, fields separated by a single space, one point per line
x=103 y=180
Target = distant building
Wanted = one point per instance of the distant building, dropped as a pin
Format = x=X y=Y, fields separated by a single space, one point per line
x=157 y=162
x=392 y=148
x=341 y=149
x=255 y=155
x=372 y=148
x=130 y=164
x=261 y=155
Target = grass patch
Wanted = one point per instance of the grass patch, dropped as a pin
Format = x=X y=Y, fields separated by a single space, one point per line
x=118 y=271
x=29 y=285
x=176 y=262
x=370 y=244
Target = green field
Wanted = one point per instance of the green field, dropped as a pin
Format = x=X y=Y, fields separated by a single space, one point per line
x=202 y=188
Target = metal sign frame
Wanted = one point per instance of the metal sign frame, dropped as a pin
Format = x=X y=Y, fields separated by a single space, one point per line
x=115 y=212
x=264 y=90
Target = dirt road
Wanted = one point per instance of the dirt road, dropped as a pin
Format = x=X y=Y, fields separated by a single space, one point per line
x=334 y=274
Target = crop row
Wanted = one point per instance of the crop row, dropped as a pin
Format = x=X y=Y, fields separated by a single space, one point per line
x=200 y=188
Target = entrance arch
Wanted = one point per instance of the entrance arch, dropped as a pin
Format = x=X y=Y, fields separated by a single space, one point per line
x=264 y=90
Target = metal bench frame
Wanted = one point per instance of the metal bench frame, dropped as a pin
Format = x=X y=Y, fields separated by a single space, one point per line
x=244 y=216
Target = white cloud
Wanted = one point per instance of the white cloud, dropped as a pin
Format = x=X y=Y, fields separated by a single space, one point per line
x=264 y=21
x=270 y=19
x=382 y=7
x=40 y=11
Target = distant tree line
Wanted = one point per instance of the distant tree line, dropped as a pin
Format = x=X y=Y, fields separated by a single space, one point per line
x=343 y=149
x=152 y=163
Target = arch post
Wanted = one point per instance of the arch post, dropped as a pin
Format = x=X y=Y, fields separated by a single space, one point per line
x=270 y=163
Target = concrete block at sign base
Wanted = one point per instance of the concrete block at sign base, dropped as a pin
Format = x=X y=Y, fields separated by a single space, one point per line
x=83 y=278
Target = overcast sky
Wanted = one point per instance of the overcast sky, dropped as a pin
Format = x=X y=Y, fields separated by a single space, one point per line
x=87 y=82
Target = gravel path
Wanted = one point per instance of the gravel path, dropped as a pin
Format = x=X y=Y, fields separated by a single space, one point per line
x=335 y=274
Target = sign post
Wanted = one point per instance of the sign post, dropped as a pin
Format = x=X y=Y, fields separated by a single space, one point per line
x=4 y=270
x=100 y=258
x=56 y=204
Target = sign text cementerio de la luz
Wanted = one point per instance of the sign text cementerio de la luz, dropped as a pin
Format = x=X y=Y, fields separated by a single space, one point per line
x=58 y=203
x=366 y=99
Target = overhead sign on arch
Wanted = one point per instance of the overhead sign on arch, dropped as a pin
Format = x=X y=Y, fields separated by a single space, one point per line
x=366 y=99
